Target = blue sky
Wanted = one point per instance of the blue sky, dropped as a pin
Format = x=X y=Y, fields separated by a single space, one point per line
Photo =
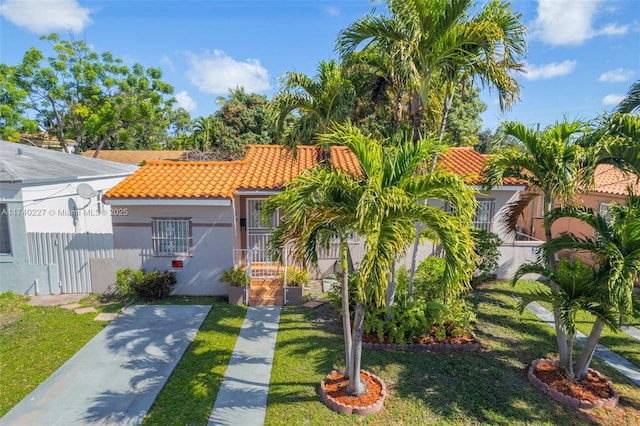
x=583 y=54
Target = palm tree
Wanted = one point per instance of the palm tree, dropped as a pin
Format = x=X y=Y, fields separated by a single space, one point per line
x=205 y=130
x=552 y=162
x=617 y=139
x=434 y=44
x=380 y=203
x=579 y=288
x=631 y=102
x=615 y=251
x=318 y=102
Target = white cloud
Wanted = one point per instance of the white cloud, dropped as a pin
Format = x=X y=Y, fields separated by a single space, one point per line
x=183 y=100
x=570 y=22
x=167 y=61
x=547 y=71
x=332 y=11
x=617 y=76
x=613 y=99
x=216 y=73
x=41 y=16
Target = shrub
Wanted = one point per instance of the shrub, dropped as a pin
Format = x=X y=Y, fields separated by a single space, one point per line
x=236 y=275
x=296 y=277
x=486 y=247
x=126 y=282
x=132 y=284
x=428 y=279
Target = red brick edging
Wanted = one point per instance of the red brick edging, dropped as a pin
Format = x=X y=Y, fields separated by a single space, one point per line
x=567 y=400
x=425 y=347
x=346 y=409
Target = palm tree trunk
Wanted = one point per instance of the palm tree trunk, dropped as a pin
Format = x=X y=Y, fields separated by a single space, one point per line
x=346 y=315
x=414 y=257
x=355 y=386
x=561 y=339
x=570 y=370
x=391 y=291
x=584 y=359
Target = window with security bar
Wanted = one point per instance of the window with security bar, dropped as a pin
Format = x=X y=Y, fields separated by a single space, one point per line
x=604 y=210
x=171 y=236
x=484 y=213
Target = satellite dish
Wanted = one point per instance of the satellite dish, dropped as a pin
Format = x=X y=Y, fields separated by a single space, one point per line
x=86 y=191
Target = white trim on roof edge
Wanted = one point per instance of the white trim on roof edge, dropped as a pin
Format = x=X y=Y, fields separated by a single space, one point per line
x=502 y=188
x=258 y=192
x=165 y=202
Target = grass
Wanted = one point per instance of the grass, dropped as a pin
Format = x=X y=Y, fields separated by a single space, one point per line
x=485 y=387
x=34 y=342
x=188 y=396
x=619 y=342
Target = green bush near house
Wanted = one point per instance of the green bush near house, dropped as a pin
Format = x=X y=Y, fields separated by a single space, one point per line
x=236 y=275
x=296 y=277
x=138 y=285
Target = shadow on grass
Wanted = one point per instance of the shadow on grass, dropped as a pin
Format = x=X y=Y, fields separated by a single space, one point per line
x=485 y=387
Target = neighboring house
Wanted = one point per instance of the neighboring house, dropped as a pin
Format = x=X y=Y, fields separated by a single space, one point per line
x=611 y=185
x=200 y=218
x=135 y=157
x=52 y=219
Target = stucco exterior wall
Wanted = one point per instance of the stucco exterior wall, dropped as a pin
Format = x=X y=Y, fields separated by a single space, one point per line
x=212 y=235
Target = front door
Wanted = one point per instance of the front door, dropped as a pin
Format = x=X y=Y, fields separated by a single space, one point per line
x=257 y=231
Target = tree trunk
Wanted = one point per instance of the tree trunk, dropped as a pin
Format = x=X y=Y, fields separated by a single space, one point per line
x=586 y=354
x=346 y=316
x=570 y=370
x=445 y=114
x=414 y=258
x=355 y=386
x=416 y=109
x=391 y=291
x=102 y=141
x=561 y=339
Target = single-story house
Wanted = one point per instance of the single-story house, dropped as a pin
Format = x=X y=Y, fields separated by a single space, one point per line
x=200 y=218
x=52 y=218
x=610 y=185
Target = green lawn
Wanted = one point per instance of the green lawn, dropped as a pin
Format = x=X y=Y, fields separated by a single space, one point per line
x=34 y=342
x=188 y=396
x=486 y=387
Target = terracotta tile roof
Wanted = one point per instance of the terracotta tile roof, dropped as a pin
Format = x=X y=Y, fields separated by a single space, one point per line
x=467 y=162
x=610 y=180
x=264 y=167
x=135 y=157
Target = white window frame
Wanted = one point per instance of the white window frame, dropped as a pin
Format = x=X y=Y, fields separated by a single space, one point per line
x=5 y=232
x=488 y=207
x=603 y=210
x=171 y=236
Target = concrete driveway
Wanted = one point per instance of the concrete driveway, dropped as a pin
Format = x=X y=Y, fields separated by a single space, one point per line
x=114 y=379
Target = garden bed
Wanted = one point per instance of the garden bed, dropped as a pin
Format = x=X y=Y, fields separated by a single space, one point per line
x=424 y=344
x=333 y=393
x=594 y=391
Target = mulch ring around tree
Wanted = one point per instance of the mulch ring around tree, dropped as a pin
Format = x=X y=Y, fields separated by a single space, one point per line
x=333 y=393
x=593 y=391
x=423 y=344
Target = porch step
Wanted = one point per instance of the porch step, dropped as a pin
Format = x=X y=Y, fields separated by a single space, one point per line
x=266 y=292
x=266 y=283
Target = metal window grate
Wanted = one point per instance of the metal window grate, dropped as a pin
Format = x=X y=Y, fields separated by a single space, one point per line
x=171 y=236
x=484 y=214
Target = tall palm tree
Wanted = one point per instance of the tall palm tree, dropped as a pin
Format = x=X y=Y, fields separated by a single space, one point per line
x=552 y=162
x=380 y=203
x=328 y=97
x=631 y=102
x=615 y=251
x=435 y=43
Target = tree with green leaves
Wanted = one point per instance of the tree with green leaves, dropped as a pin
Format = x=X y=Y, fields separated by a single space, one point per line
x=13 y=107
x=552 y=161
x=306 y=106
x=434 y=45
x=606 y=288
x=380 y=203
x=631 y=102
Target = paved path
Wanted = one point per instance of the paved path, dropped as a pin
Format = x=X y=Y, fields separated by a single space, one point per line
x=114 y=379
x=242 y=398
x=613 y=359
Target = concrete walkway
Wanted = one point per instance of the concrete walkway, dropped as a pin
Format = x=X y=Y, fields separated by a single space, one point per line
x=242 y=398
x=623 y=366
x=114 y=379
